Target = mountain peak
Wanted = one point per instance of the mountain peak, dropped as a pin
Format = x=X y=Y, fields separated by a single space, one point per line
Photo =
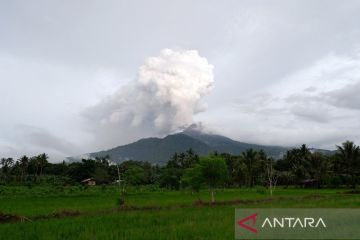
x=160 y=150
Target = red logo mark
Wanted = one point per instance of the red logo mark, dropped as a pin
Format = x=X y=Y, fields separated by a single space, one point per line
x=247 y=227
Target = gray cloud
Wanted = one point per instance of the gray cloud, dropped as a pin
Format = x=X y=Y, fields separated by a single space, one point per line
x=346 y=97
x=311 y=112
x=43 y=139
x=24 y=139
x=319 y=102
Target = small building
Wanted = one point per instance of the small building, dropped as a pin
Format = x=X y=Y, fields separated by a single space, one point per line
x=89 y=182
x=310 y=183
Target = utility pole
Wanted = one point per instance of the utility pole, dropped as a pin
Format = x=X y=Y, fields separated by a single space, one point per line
x=118 y=170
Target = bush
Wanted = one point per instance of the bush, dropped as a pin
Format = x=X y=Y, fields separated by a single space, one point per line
x=120 y=201
x=260 y=190
x=335 y=181
x=29 y=185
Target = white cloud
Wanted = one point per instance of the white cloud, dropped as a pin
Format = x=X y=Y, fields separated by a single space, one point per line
x=164 y=98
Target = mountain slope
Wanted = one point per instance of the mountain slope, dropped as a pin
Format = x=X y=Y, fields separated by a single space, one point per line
x=159 y=150
x=223 y=144
x=155 y=150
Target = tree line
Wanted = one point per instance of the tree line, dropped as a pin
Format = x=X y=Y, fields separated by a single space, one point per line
x=299 y=166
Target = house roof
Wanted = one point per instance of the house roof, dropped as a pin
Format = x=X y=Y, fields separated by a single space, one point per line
x=309 y=181
x=88 y=180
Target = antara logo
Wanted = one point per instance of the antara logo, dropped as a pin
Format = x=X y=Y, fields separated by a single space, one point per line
x=294 y=222
x=249 y=218
x=284 y=222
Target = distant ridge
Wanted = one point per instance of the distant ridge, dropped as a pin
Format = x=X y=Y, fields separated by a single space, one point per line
x=224 y=144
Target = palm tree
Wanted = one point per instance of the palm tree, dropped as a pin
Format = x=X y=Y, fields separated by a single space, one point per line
x=250 y=160
x=6 y=164
x=34 y=166
x=43 y=160
x=319 y=166
x=24 y=162
x=191 y=158
x=299 y=162
x=349 y=156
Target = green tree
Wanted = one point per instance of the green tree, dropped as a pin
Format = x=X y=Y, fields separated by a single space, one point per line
x=190 y=159
x=170 y=178
x=183 y=160
x=79 y=171
x=135 y=175
x=213 y=172
x=349 y=156
x=43 y=160
x=192 y=178
x=319 y=166
x=236 y=169
x=298 y=159
x=24 y=163
x=252 y=165
x=6 y=165
x=33 y=167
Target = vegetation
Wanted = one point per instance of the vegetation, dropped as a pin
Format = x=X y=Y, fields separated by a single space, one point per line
x=299 y=166
x=43 y=200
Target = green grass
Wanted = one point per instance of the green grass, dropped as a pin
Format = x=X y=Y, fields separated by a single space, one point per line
x=176 y=218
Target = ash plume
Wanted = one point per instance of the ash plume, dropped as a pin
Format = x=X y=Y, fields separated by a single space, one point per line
x=165 y=96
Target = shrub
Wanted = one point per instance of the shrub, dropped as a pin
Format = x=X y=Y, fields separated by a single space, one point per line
x=260 y=190
x=120 y=201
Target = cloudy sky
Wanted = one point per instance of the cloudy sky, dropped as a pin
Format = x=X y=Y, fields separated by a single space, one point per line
x=80 y=76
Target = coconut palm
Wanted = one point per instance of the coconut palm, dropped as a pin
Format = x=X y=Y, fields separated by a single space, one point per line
x=349 y=156
x=299 y=162
x=24 y=163
x=43 y=160
x=318 y=167
x=251 y=161
x=6 y=164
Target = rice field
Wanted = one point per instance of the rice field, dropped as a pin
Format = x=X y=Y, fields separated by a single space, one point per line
x=95 y=213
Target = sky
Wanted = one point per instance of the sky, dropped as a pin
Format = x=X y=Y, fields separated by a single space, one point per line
x=82 y=76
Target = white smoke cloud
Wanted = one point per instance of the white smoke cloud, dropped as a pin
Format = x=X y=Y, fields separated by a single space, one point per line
x=164 y=98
